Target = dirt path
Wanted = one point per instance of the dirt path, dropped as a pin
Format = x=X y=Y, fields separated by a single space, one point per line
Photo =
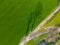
x=33 y=33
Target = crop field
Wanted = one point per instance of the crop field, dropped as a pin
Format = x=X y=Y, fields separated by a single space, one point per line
x=54 y=22
x=19 y=17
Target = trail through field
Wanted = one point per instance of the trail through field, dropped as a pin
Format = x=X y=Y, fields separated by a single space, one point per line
x=32 y=35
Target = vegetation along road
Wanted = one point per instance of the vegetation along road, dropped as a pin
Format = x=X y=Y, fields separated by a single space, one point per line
x=29 y=37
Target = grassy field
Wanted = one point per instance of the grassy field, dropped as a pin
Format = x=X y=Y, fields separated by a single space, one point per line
x=18 y=17
x=54 y=22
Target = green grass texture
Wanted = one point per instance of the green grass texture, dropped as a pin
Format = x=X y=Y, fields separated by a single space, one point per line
x=19 y=17
x=55 y=21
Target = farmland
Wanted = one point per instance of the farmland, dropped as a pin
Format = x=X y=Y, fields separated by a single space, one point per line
x=19 y=17
x=54 y=22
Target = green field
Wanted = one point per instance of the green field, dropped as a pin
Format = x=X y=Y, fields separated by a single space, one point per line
x=54 y=22
x=18 y=17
